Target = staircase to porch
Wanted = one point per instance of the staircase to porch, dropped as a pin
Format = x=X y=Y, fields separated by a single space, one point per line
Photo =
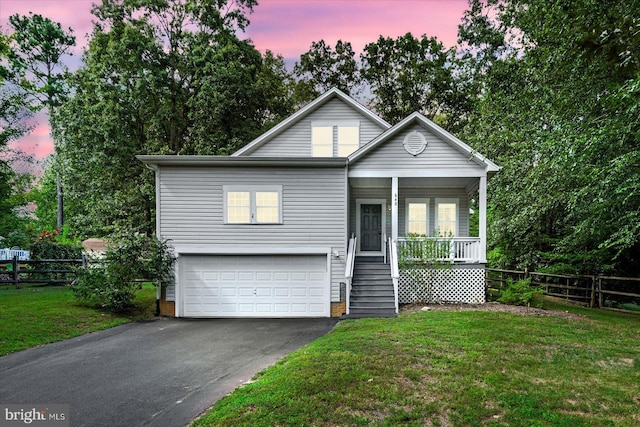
x=372 y=289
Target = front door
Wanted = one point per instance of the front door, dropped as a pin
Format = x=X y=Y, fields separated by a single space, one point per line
x=370 y=228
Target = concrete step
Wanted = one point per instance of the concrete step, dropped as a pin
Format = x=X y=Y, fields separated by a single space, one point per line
x=360 y=313
x=377 y=281
x=373 y=304
x=384 y=267
x=368 y=297
x=369 y=259
x=373 y=274
x=372 y=292
x=372 y=289
x=372 y=286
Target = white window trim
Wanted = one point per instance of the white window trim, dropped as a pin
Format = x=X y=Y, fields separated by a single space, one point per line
x=383 y=225
x=334 y=125
x=407 y=201
x=447 y=200
x=252 y=190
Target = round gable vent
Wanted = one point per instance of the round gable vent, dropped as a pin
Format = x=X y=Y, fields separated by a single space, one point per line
x=414 y=143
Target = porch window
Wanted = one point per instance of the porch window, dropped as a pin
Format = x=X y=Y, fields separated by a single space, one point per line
x=417 y=216
x=346 y=141
x=447 y=217
x=252 y=204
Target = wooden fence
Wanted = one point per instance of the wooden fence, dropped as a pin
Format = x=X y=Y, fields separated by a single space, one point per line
x=44 y=271
x=595 y=291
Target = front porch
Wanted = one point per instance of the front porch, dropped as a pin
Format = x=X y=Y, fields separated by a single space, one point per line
x=412 y=210
x=415 y=222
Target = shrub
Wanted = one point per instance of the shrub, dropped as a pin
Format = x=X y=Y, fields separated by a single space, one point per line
x=52 y=250
x=95 y=286
x=53 y=245
x=521 y=293
x=111 y=283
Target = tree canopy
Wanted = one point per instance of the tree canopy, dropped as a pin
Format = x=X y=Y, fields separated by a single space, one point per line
x=558 y=110
x=397 y=76
x=159 y=77
x=32 y=78
x=548 y=89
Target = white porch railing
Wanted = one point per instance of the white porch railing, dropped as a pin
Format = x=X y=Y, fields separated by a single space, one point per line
x=456 y=249
x=7 y=254
x=348 y=271
x=395 y=271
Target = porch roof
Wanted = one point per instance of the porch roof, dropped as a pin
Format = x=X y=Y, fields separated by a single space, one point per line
x=445 y=136
x=470 y=184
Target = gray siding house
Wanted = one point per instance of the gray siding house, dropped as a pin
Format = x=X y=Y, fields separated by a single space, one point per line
x=309 y=219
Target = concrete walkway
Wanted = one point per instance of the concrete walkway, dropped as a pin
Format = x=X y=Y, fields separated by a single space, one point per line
x=163 y=372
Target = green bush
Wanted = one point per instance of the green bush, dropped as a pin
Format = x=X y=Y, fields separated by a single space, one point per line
x=521 y=293
x=96 y=286
x=111 y=282
x=54 y=245
x=53 y=250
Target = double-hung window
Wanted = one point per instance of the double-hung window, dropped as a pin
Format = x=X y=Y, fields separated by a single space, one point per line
x=255 y=204
x=447 y=217
x=417 y=216
x=330 y=139
x=322 y=141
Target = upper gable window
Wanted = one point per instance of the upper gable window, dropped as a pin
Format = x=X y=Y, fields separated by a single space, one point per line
x=348 y=140
x=338 y=139
x=322 y=141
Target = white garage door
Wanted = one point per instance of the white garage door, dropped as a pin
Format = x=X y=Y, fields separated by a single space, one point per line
x=255 y=286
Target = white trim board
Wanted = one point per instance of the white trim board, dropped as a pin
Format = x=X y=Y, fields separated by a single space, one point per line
x=383 y=224
x=418 y=173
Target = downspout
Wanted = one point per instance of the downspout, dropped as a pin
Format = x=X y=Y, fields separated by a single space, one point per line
x=156 y=174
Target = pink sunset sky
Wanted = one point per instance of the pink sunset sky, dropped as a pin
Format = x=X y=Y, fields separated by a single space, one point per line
x=285 y=27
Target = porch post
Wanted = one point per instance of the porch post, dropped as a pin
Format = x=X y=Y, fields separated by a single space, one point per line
x=482 y=204
x=394 y=208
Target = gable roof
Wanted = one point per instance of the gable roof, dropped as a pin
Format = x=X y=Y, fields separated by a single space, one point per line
x=303 y=112
x=437 y=130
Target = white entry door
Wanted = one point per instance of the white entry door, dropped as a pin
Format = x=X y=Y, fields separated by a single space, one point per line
x=254 y=286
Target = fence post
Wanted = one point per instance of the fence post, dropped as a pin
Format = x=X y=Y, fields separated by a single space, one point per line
x=600 y=302
x=592 y=303
x=16 y=272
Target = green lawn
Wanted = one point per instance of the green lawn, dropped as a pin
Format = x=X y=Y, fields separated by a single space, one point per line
x=452 y=368
x=34 y=316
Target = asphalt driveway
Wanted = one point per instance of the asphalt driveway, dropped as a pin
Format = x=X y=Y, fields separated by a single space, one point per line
x=159 y=373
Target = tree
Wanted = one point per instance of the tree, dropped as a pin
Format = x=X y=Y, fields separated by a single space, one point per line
x=112 y=284
x=159 y=77
x=410 y=74
x=322 y=68
x=36 y=61
x=36 y=67
x=14 y=112
x=403 y=75
x=559 y=112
